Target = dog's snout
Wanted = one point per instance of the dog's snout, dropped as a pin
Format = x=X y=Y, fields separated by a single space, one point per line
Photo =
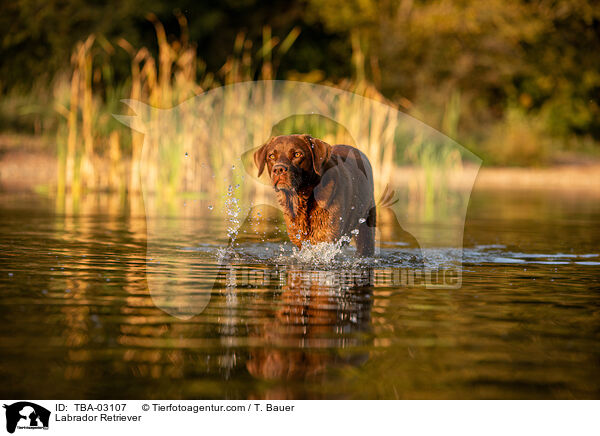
x=280 y=169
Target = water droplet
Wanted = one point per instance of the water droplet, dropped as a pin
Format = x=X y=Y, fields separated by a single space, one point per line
x=186 y=154
x=10 y=274
x=210 y=207
x=233 y=167
x=362 y=220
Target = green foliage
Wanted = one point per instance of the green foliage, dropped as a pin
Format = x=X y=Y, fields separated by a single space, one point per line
x=37 y=37
x=518 y=140
x=491 y=74
x=538 y=57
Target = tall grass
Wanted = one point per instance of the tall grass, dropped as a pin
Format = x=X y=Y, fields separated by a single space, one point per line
x=95 y=151
x=187 y=149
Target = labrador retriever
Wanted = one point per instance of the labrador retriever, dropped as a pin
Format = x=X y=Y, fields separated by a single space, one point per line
x=326 y=192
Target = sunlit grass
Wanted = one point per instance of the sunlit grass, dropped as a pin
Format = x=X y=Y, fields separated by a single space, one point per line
x=193 y=148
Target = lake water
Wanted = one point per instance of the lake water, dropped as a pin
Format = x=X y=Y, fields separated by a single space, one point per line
x=79 y=320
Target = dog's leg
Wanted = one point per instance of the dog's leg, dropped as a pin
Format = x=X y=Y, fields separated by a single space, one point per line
x=365 y=240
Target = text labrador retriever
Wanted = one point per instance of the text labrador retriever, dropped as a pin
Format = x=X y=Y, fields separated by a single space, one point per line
x=325 y=191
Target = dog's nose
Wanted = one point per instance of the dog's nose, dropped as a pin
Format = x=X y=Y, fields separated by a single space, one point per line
x=280 y=169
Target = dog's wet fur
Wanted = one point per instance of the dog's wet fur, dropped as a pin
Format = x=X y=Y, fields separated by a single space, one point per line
x=325 y=191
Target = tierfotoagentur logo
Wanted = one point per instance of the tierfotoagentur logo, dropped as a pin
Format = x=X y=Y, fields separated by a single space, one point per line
x=406 y=187
x=25 y=415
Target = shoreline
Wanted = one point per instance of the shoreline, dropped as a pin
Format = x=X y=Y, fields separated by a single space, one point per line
x=571 y=177
x=26 y=169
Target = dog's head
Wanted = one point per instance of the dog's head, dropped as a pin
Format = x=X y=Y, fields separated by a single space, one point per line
x=293 y=161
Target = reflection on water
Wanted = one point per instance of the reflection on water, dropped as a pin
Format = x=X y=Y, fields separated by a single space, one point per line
x=315 y=326
x=79 y=320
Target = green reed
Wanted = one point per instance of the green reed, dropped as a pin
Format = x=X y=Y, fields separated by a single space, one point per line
x=198 y=144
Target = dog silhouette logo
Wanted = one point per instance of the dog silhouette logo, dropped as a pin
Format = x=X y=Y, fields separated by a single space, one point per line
x=26 y=415
x=203 y=149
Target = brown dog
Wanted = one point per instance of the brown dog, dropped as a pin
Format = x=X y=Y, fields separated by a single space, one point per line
x=326 y=192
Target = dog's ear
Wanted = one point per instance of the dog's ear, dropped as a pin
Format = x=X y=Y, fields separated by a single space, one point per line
x=321 y=152
x=259 y=156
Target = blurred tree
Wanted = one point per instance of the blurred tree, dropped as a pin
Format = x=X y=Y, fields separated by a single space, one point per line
x=535 y=60
x=38 y=36
x=540 y=56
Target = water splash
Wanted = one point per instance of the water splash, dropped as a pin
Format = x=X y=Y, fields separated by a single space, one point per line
x=232 y=208
x=391 y=255
x=320 y=253
x=225 y=254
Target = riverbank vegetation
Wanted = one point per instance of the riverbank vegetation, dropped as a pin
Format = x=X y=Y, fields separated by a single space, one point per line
x=516 y=83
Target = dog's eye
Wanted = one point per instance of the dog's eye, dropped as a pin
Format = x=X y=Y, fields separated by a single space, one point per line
x=272 y=156
x=297 y=154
